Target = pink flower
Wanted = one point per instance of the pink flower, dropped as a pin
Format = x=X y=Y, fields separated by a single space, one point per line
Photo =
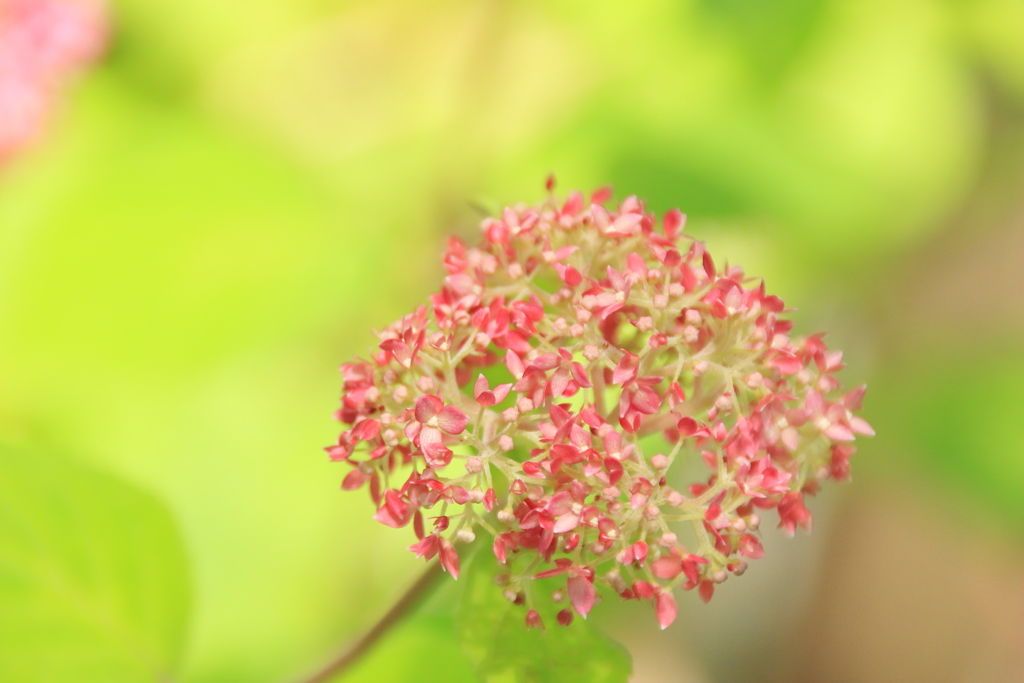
x=395 y=512
x=792 y=513
x=580 y=585
x=487 y=398
x=41 y=43
x=566 y=507
x=608 y=330
x=433 y=418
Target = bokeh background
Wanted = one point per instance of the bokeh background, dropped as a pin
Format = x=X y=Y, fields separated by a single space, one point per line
x=241 y=191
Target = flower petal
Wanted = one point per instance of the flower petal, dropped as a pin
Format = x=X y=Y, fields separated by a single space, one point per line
x=666 y=608
x=667 y=567
x=501 y=391
x=427 y=406
x=480 y=387
x=625 y=371
x=449 y=558
x=565 y=523
x=452 y=420
x=581 y=595
x=860 y=426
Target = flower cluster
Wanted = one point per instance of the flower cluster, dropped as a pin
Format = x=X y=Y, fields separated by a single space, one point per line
x=552 y=393
x=40 y=42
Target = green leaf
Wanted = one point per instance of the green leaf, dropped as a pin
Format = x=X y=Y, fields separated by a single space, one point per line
x=93 y=578
x=422 y=649
x=496 y=641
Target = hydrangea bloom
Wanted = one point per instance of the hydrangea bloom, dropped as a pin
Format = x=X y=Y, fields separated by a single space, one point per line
x=554 y=387
x=40 y=42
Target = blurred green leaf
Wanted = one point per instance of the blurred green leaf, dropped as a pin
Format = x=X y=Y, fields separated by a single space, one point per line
x=497 y=642
x=770 y=35
x=93 y=577
x=958 y=410
x=423 y=649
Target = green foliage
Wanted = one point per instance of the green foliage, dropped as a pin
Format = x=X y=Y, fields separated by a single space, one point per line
x=422 y=648
x=962 y=423
x=93 y=580
x=495 y=638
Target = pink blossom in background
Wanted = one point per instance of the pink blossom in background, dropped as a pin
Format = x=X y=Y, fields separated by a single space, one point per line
x=550 y=392
x=41 y=43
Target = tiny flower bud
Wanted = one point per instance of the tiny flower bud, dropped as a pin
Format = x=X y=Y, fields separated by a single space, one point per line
x=524 y=405
x=505 y=442
x=474 y=465
x=615 y=580
x=465 y=535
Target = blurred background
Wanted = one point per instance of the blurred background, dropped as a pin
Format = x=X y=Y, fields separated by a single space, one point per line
x=224 y=209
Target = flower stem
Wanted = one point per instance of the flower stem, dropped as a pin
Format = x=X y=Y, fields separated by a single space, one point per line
x=409 y=601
